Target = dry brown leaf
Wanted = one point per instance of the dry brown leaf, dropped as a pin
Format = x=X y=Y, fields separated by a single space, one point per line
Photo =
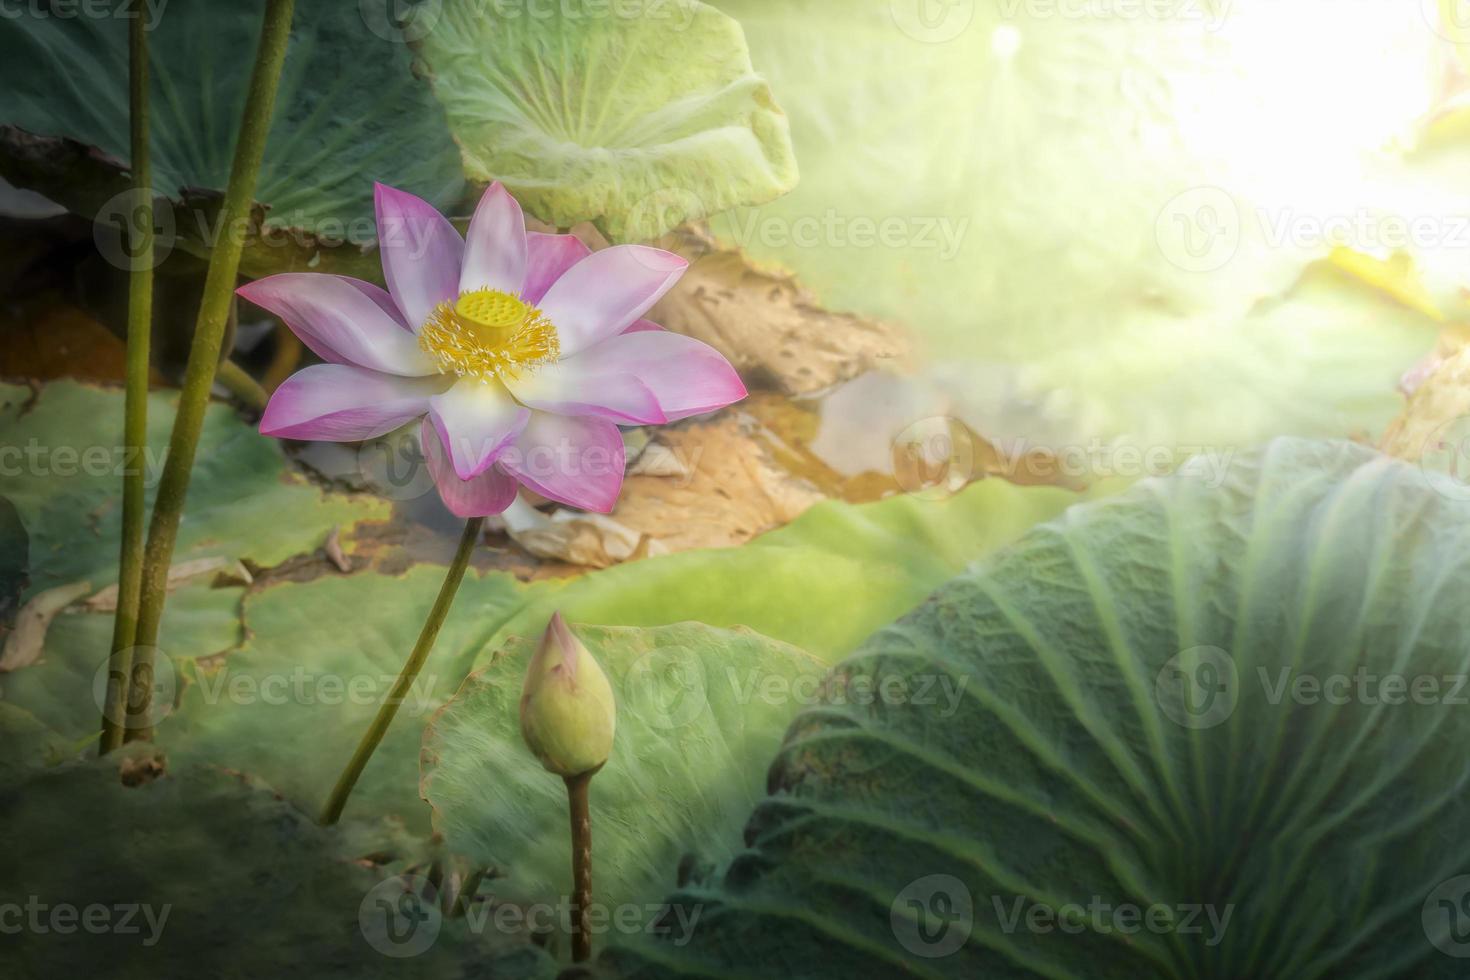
x=771 y=329
x=185 y=571
x=762 y=320
x=1439 y=401
x=24 y=643
x=592 y=540
x=656 y=459
x=723 y=487
x=333 y=548
x=733 y=489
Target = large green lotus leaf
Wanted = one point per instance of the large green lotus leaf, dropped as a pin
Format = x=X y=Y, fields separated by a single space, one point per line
x=700 y=712
x=349 y=111
x=217 y=877
x=61 y=688
x=1158 y=703
x=633 y=118
x=28 y=743
x=829 y=578
x=1324 y=360
x=63 y=463
x=291 y=703
x=821 y=583
x=1101 y=195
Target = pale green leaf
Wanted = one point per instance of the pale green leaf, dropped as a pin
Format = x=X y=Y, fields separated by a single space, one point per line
x=633 y=118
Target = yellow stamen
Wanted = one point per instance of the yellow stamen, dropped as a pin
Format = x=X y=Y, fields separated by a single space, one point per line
x=488 y=334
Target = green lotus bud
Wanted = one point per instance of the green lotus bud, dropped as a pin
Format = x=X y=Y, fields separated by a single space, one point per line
x=567 y=707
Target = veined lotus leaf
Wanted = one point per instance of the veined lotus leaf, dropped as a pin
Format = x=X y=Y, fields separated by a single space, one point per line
x=63 y=687
x=28 y=743
x=63 y=462
x=197 y=859
x=1324 y=360
x=349 y=111
x=635 y=117
x=822 y=582
x=700 y=711
x=321 y=654
x=291 y=703
x=1199 y=731
x=1111 y=200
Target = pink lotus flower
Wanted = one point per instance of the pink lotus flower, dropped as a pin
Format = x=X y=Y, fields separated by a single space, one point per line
x=523 y=352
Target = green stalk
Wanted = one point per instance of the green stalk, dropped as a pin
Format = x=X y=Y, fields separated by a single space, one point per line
x=204 y=354
x=332 y=812
x=135 y=404
x=238 y=382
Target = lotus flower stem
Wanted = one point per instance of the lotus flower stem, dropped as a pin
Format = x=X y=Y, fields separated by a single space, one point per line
x=430 y=632
x=578 y=799
x=238 y=382
x=204 y=354
x=135 y=403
